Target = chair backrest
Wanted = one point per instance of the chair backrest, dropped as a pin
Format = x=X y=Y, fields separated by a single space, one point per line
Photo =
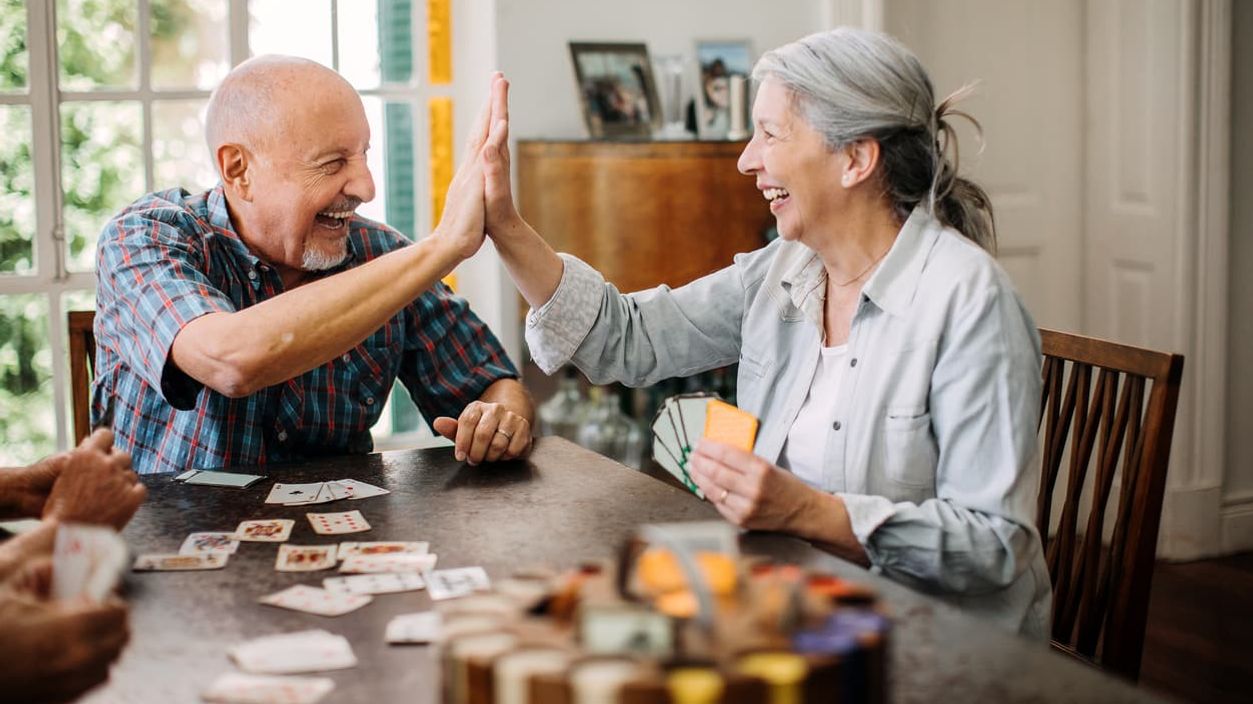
x=82 y=359
x=1097 y=421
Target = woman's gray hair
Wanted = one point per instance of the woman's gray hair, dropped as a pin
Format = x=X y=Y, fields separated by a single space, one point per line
x=852 y=84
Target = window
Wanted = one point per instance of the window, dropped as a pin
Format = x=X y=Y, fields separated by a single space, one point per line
x=134 y=78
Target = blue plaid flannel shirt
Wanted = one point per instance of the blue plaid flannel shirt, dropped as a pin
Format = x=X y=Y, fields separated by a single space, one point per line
x=173 y=256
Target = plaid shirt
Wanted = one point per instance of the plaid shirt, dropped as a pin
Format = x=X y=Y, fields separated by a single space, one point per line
x=173 y=256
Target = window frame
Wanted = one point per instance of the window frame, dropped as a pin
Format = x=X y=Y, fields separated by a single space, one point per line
x=52 y=277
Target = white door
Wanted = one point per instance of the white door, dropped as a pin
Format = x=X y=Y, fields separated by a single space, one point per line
x=1028 y=57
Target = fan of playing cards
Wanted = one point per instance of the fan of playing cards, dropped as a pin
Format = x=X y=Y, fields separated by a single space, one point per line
x=684 y=419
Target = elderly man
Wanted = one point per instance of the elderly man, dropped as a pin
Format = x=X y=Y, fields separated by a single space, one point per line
x=56 y=650
x=263 y=321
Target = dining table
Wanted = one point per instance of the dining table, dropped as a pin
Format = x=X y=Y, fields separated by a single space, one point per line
x=560 y=507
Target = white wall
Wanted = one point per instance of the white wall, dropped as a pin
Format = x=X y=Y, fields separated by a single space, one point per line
x=1238 y=484
x=533 y=35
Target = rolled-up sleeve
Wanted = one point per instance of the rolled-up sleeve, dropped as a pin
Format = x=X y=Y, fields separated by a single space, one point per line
x=151 y=284
x=639 y=338
x=976 y=535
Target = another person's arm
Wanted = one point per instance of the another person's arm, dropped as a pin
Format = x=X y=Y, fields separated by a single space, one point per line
x=636 y=339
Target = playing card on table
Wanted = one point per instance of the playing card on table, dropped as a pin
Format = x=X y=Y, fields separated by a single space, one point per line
x=235 y=688
x=178 y=563
x=198 y=543
x=338 y=523
x=398 y=562
x=383 y=583
x=450 y=584
x=361 y=490
x=316 y=601
x=348 y=549
x=423 y=627
x=269 y=530
x=294 y=653
x=294 y=493
x=87 y=561
x=305 y=558
x=336 y=490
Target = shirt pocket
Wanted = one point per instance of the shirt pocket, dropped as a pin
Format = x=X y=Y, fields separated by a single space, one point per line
x=910 y=452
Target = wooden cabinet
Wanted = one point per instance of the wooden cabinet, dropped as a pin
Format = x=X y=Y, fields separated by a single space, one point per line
x=643 y=213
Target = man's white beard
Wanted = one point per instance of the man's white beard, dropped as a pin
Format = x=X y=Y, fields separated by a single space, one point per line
x=315 y=260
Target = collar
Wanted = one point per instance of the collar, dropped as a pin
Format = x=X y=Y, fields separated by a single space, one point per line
x=894 y=283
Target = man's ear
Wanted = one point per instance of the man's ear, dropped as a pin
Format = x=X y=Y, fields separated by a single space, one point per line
x=863 y=157
x=233 y=163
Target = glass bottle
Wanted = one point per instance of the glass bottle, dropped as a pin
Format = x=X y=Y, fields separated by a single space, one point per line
x=562 y=414
x=609 y=431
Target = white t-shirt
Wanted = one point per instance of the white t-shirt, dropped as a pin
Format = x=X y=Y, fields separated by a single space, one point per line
x=804 y=452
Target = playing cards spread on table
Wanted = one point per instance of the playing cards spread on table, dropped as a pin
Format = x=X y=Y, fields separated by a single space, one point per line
x=338 y=523
x=398 y=562
x=236 y=688
x=322 y=492
x=200 y=543
x=269 y=530
x=294 y=653
x=384 y=583
x=305 y=558
x=179 y=563
x=312 y=600
x=423 y=627
x=348 y=549
x=87 y=561
x=450 y=584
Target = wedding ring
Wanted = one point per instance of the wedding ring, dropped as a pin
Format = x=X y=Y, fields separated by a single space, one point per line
x=725 y=494
x=508 y=436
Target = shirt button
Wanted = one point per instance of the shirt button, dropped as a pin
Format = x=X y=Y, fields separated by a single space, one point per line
x=252 y=275
x=369 y=400
x=835 y=425
x=853 y=362
x=282 y=436
x=346 y=358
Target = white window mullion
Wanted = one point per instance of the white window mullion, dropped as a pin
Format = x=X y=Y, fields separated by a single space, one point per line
x=144 y=27
x=335 y=34
x=238 y=19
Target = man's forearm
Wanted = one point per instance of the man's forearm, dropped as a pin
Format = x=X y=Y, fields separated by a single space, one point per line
x=241 y=352
x=511 y=394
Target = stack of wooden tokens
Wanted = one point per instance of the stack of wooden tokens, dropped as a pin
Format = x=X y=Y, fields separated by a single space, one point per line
x=635 y=632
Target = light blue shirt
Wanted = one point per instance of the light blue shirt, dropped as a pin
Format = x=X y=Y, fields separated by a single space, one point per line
x=934 y=439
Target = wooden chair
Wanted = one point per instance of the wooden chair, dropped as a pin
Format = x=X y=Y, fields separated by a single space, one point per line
x=1102 y=574
x=82 y=360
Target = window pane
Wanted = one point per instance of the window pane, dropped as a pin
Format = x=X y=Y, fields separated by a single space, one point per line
x=17 y=189
x=27 y=418
x=391 y=161
x=190 y=44
x=179 y=154
x=96 y=44
x=294 y=28
x=102 y=170
x=359 y=42
x=13 y=54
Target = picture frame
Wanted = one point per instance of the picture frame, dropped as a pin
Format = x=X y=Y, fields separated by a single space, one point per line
x=717 y=60
x=616 y=89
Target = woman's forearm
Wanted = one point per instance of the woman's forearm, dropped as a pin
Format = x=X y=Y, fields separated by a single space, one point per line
x=823 y=520
x=534 y=266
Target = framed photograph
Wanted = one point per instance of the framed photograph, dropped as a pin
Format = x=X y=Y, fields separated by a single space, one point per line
x=717 y=60
x=616 y=89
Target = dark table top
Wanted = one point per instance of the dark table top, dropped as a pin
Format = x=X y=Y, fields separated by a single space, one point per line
x=563 y=506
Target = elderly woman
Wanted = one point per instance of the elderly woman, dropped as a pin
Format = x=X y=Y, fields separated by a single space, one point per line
x=894 y=368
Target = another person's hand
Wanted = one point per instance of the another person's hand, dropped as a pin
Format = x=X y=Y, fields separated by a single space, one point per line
x=24 y=490
x=96 y=485
x=461 y=223
x=487 y=432
x=56 y=651
x=33 y=546
x=500 y=211
x=747 y=490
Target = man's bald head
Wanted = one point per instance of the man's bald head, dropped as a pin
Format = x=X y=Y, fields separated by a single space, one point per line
x=263 y=99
